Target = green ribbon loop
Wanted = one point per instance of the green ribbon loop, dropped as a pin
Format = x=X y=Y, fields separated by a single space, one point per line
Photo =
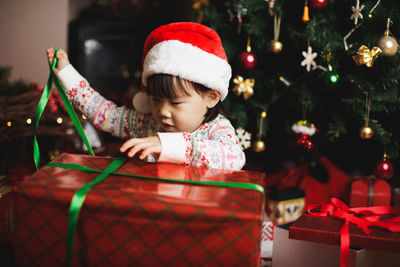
x=80 y=195
x=41 y=106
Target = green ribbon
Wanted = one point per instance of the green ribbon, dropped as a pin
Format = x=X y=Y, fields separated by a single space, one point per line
x=41 y=106
x=77 y=202
x=80 y=195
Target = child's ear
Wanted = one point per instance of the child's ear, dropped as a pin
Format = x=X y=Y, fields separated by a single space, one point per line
x=213 y=98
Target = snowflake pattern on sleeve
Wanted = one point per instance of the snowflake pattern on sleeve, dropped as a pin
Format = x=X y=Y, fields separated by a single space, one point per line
x=107 y=116
x=214 y=145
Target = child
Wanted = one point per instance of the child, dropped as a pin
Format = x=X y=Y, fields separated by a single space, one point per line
x=176 y=118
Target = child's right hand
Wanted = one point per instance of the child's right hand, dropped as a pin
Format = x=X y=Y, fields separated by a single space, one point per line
x=62 y=58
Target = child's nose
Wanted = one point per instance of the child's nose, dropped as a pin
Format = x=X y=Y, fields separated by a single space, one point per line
x=165 y=109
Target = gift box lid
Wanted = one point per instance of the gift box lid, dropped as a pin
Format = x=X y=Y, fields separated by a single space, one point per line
x=327 y=230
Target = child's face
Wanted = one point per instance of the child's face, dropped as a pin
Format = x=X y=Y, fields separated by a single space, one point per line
x=183 y=113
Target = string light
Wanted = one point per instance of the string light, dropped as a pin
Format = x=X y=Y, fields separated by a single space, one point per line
x=29 y=121
x=9 y=123
x=284 y=80
x=84 y=117
x=59 y=120
x=334 y=78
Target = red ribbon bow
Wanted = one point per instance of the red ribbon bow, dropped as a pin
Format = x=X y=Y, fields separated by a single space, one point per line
x=363 y=217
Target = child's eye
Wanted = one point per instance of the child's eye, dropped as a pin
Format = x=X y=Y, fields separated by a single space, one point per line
x=176 y=103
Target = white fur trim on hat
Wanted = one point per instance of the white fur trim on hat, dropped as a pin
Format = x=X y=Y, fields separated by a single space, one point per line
x=189 y=62
x=141 y=102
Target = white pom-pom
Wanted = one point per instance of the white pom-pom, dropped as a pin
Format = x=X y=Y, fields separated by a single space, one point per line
x=141 y=102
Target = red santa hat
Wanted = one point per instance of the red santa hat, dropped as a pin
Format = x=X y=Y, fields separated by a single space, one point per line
x=186 y=49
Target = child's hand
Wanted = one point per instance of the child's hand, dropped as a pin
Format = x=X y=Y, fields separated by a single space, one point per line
x=147 y=145
x=62 y=58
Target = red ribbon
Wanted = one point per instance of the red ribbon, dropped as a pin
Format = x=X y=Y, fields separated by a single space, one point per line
x=363 y=217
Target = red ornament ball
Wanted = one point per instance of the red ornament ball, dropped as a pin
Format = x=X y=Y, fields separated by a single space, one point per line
x=384 y=169
x=248 y=60
x=319 y=4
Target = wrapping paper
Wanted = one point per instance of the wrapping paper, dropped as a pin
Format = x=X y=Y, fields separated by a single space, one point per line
x=141 y=222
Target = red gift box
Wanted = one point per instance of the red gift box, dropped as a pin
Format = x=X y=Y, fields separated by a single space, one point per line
x=369 y=192
x=141 y=222
x=327 y=230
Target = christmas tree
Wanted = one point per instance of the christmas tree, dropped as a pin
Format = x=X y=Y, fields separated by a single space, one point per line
x=311 y=78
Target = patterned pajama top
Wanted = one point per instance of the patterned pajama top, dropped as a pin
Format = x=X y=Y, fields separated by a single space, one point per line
x=213 y=145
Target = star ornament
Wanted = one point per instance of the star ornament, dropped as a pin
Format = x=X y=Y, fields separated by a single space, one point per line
x=309 y=59
x=243 y=86
x=356 y=12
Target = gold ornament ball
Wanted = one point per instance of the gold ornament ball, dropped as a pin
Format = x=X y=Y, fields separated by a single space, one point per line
x=259 y=146
x=388 y=45
x=366 y=132
x=275 y=46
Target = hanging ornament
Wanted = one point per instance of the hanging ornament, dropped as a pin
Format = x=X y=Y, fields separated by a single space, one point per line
x=384 y=169
x=244 y=138
x=365 y=56
x=304 y=131
x=259 y=145
x=303 y=141
x=387 y=43
x=198 y=6
x=366 y=132
x=306 y=16
x=319 y=4
x=247 y=58
x=241 y=11
x=304 y=127
x=309 y=59
x=275 y=46
x=271 y=4
x=243 y=86
x=357 y=12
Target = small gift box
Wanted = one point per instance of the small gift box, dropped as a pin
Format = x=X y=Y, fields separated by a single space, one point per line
x=373 y=228
x=300 y=253
x=368 y=192
x=285 y=205
x=155 y=217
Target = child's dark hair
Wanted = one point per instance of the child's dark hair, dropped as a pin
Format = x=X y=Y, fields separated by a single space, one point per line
x=164 y=86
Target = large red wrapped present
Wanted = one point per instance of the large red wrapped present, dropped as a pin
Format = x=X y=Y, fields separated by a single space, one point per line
x=139 y=221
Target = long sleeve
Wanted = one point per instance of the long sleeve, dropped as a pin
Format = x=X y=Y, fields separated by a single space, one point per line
x=104 y=114
x=213 y=145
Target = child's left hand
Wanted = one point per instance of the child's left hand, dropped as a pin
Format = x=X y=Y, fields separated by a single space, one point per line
x=147 y=145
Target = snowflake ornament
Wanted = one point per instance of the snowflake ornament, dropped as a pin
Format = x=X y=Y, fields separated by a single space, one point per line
x=244 y=138
x=356 y=12
x=309 y=59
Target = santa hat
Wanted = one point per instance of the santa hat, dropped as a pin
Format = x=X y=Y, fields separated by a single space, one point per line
x=186 y=49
